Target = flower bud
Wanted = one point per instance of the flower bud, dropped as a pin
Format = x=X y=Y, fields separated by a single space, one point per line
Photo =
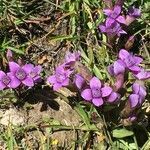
x=129 y=43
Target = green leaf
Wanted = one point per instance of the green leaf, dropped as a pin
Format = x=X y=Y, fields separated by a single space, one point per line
x=83 y=115
x=90 y=56
x=97 y=72
x=84 y=56
x=73 y=25
x=121 y=133
x=15 y=50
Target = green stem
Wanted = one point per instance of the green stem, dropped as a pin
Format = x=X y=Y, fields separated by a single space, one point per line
x=63 y=127
x=135 y=141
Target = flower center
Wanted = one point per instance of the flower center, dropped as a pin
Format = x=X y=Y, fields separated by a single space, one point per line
x=21 y=74
x=60 y=77
x=96 y=92
x=33 y=74
x=6 y=80
x=114 y=15
x=109 y=30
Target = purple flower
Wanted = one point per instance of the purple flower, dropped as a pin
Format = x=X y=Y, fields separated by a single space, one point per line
x=35 y=73
x=7 y=81
x=138 y=96
x=60 y=78
x=71 y=58
x=114 y=15
x=133 y=13
x=21 y=74
x=112 y=29
x=131 y=61
x=142 y=75
x=96 y=92
x=118 y=67
x=113 y=97
x=127 y=61
x=79 y=81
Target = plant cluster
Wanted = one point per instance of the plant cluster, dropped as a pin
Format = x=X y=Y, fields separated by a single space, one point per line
x=95 y=90
x=19 y=74
x=117 y=21
x=128 y=64
x=91 y=89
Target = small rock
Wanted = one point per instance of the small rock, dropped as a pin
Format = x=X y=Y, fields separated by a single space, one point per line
x=12 y=116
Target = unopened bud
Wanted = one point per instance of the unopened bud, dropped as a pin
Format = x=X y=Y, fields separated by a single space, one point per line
x=9 y=55
x=129 y=43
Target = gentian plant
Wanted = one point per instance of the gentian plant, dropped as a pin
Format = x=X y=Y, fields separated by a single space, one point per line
x=19 y=75
x=116 y=20
x=94 y=90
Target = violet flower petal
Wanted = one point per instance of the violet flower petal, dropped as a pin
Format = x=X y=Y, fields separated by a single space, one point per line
x=123 y=54
x=102 y=28
x=113 y=97
x=109 y=22
x=87 y=94
x=14 y=82
x=117 y=11
x=134 y=12
x=137 y=60
x=2 y=85
x=60 y=69
x=57 y=86
x=65 y=82
x=97 y=101
x=135 y=88
x=52 y=79
x=28 y=68
x=2 y=74
x=79 y=81
x=37 y=79
x=143 y=75
x=135 y=68
x=95 y=82
x=121 y=19
x=28 y=82
x=106 y=91
x=111 y=69
x=140 y=90
x=119 y=67
x=37 y=69
x=134 y=99
x=13 y=66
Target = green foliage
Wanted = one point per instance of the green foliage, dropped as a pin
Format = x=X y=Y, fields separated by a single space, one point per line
x=121 y=133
